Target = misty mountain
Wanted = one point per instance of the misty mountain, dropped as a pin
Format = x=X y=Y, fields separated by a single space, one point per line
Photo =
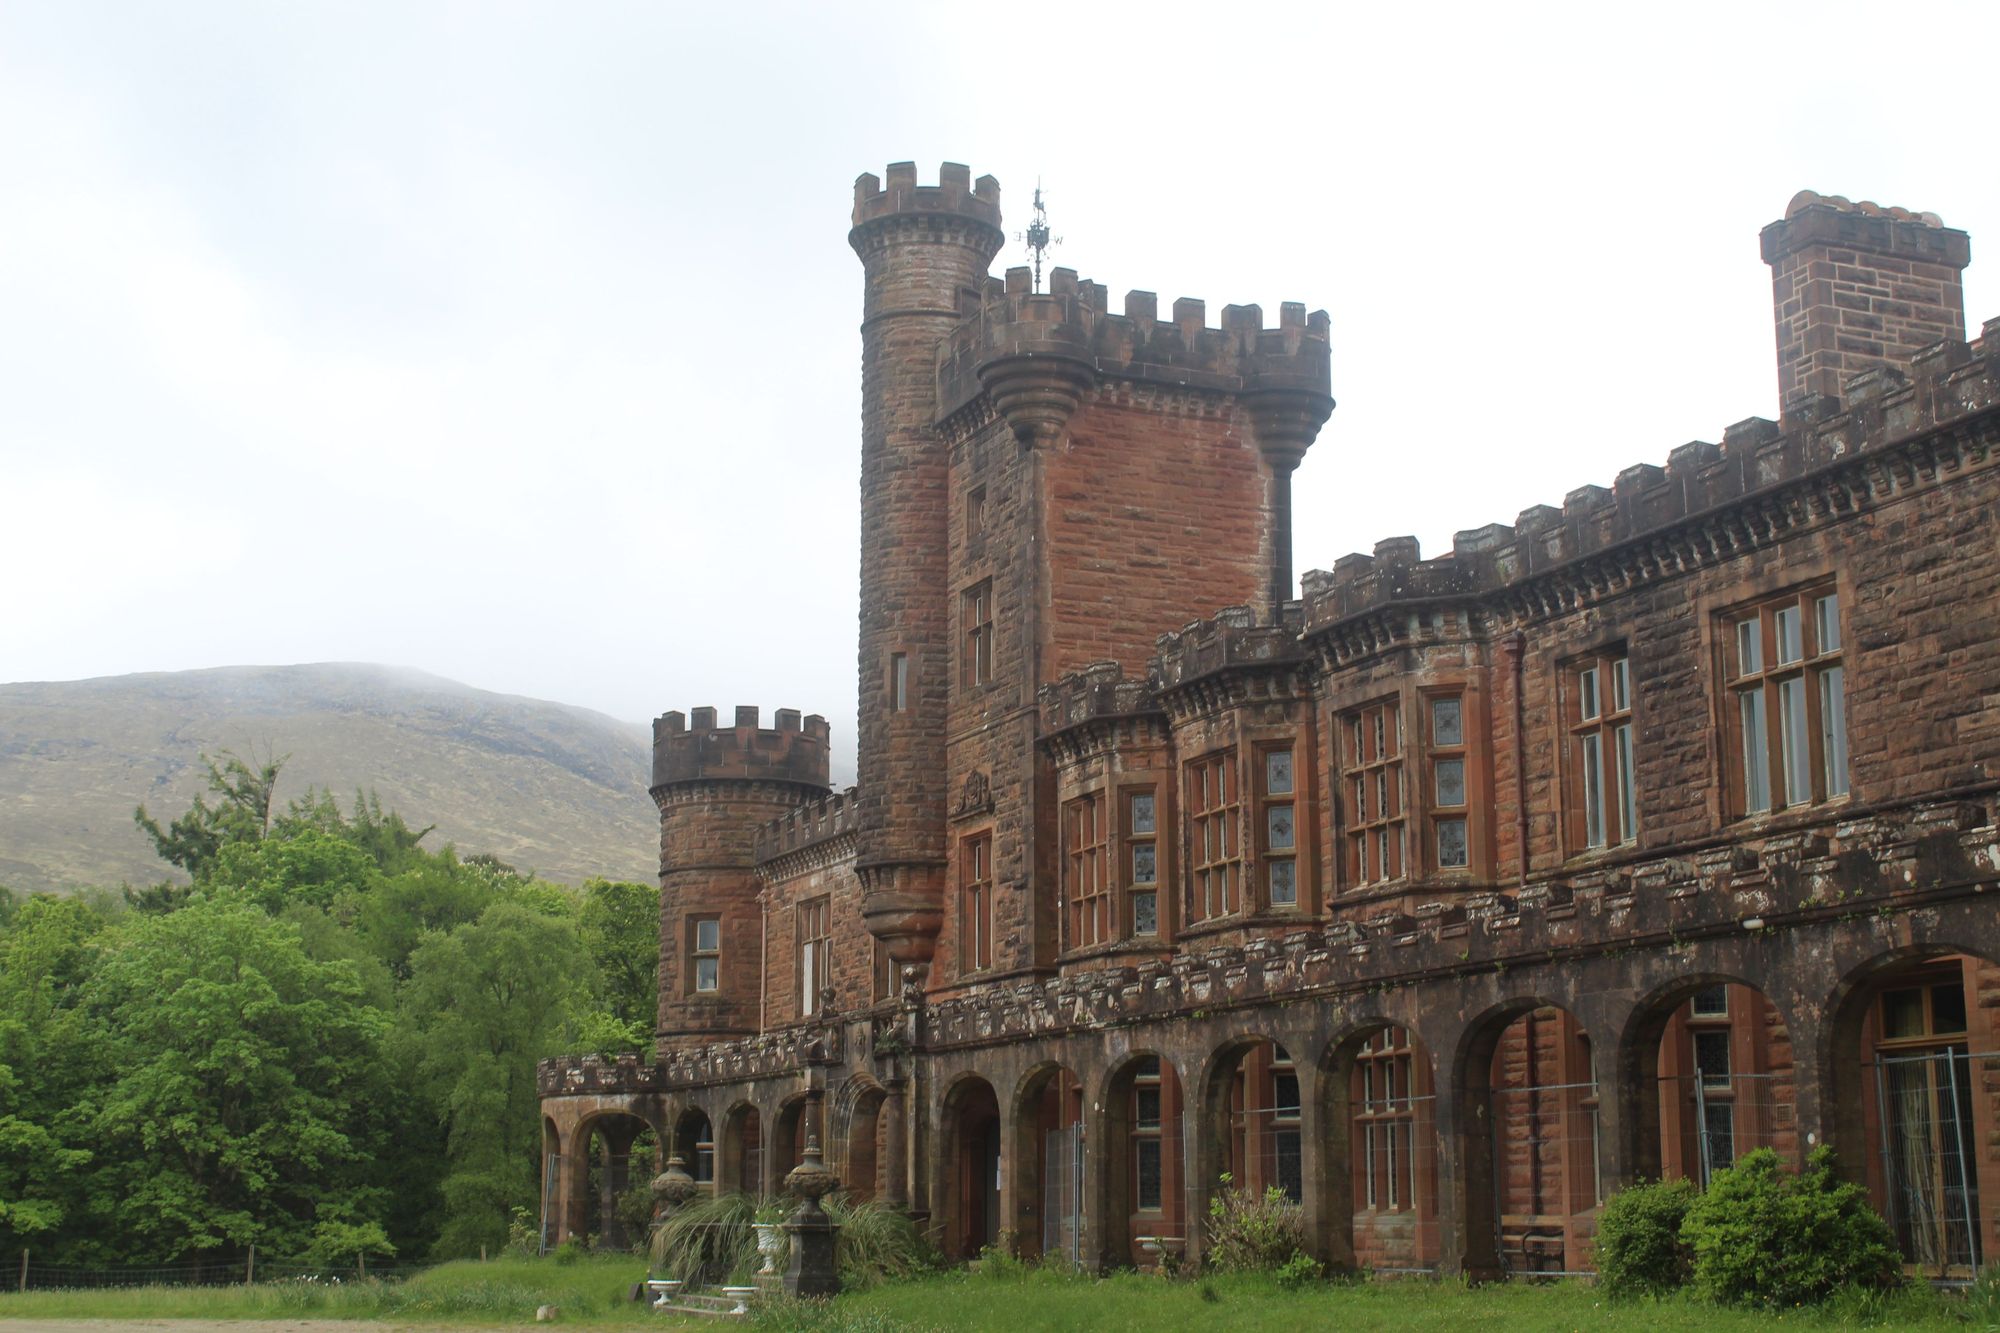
x=543 y=786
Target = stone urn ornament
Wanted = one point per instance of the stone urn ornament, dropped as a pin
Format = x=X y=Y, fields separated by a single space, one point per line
x=770 y=1244
x=672 y=1188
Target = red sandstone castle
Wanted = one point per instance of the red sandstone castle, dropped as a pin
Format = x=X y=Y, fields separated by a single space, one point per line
x=1444 y=895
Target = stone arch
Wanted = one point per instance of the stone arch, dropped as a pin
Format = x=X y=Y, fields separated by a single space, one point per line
x=739 y=1161
x=1141 y=1189
x=1666 y=1124
x=787 y=1143
x=694 y=1143
x=969 y=1160
x=859 y=1113
x=1525 y=1139
x=1377 y=1195
x=1910 y=1055
x=596 y=1170
x=1044 y=1149
x=1248 y=1122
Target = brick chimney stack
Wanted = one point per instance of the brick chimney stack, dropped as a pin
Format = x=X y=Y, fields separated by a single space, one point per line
x=1854 y=286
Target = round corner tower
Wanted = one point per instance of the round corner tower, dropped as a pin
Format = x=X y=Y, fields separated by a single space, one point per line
x=716 y=787
x=925 y=252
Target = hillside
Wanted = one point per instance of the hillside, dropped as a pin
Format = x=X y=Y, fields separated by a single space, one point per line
x=542 y=786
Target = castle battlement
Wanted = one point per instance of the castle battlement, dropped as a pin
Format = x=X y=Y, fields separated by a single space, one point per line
x=956 y=195
x=1232 y=637
x=1071 y=321
x=693 y=748
x=1099 y=691
x=814 y=822
x=1811 y=464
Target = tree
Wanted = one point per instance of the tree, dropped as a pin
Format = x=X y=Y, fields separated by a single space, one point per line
x=484 y=1003
x=242 y=1076
x=620 y=923
x=242 y=814
x=383 y=835
x=45 y=954
x=307 y=868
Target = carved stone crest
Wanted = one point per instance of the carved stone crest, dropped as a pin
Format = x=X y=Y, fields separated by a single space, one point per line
x=975 y=797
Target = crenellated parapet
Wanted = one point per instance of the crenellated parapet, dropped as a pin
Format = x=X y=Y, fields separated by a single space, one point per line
x=1054 y=344
x=1232 y=637
x=957 y=208
x=781 y=1051
x=1098 y=692
x=1872 y=867
x=693 y=749
x=831 y=816
x=1888 y=433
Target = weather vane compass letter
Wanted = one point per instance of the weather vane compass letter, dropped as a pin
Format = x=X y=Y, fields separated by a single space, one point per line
x=1037 y=237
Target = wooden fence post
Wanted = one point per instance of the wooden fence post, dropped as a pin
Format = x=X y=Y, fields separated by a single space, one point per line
x=250 y=1266
x=24 y=1268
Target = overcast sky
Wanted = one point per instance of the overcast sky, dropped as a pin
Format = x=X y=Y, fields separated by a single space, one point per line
x=518 y=343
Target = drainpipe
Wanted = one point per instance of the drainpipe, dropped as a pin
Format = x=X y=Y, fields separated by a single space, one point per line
x=1516 y=645
x=763 y=953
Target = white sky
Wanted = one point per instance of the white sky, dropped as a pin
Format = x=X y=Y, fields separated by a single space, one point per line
x=518 y=343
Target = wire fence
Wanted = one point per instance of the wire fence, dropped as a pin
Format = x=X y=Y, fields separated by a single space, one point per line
x=1927 y=1106
x=31 y=1274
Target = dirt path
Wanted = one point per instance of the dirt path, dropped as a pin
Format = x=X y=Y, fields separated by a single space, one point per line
x=257 y=1325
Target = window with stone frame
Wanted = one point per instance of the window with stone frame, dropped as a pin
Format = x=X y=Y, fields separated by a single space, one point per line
x=1384 y=1122
x=975 y=896
x=899 y=682
x=1086 y=840
x=1287 y=1135
x=1141 y=862
x=704 y=971
x=1710 y=1040
x=1373 y=814
x=1448 y=793
x=1277 y=825
x=1148 y=1161
x=883 y=972
x=1785 y=718
x=813 y=919
x=976 y=617
x=1601 y=803
x=1931 y=1083
x=1214 y=839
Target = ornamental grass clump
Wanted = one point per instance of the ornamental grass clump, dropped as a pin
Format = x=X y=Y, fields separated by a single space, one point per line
x=1760 y=1235
x=711 y=1241
x=708 y=1240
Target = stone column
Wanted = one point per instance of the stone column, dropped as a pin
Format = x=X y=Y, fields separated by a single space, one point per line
x=896 y=1139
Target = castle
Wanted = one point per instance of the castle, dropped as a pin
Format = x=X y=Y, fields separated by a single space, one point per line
x=1444 y=895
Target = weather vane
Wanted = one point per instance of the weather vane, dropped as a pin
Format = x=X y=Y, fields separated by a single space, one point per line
x=1037 y=235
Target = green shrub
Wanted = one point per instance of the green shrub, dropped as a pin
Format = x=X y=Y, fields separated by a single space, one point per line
x=1639 y=1247
x=1251 y=1233
x=1301 y=1270
x=569 y=1251
x=1982 y=1298
x=1764 y=1236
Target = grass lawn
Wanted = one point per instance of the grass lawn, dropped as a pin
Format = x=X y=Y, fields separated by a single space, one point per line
x=1035 y=1300
x=504 y=1291
x=591 y=1293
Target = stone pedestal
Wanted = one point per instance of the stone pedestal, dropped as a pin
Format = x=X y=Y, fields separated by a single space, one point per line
x=814 y=1271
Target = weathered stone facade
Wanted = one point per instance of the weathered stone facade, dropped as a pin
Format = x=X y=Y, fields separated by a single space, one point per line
x=1445 y=896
